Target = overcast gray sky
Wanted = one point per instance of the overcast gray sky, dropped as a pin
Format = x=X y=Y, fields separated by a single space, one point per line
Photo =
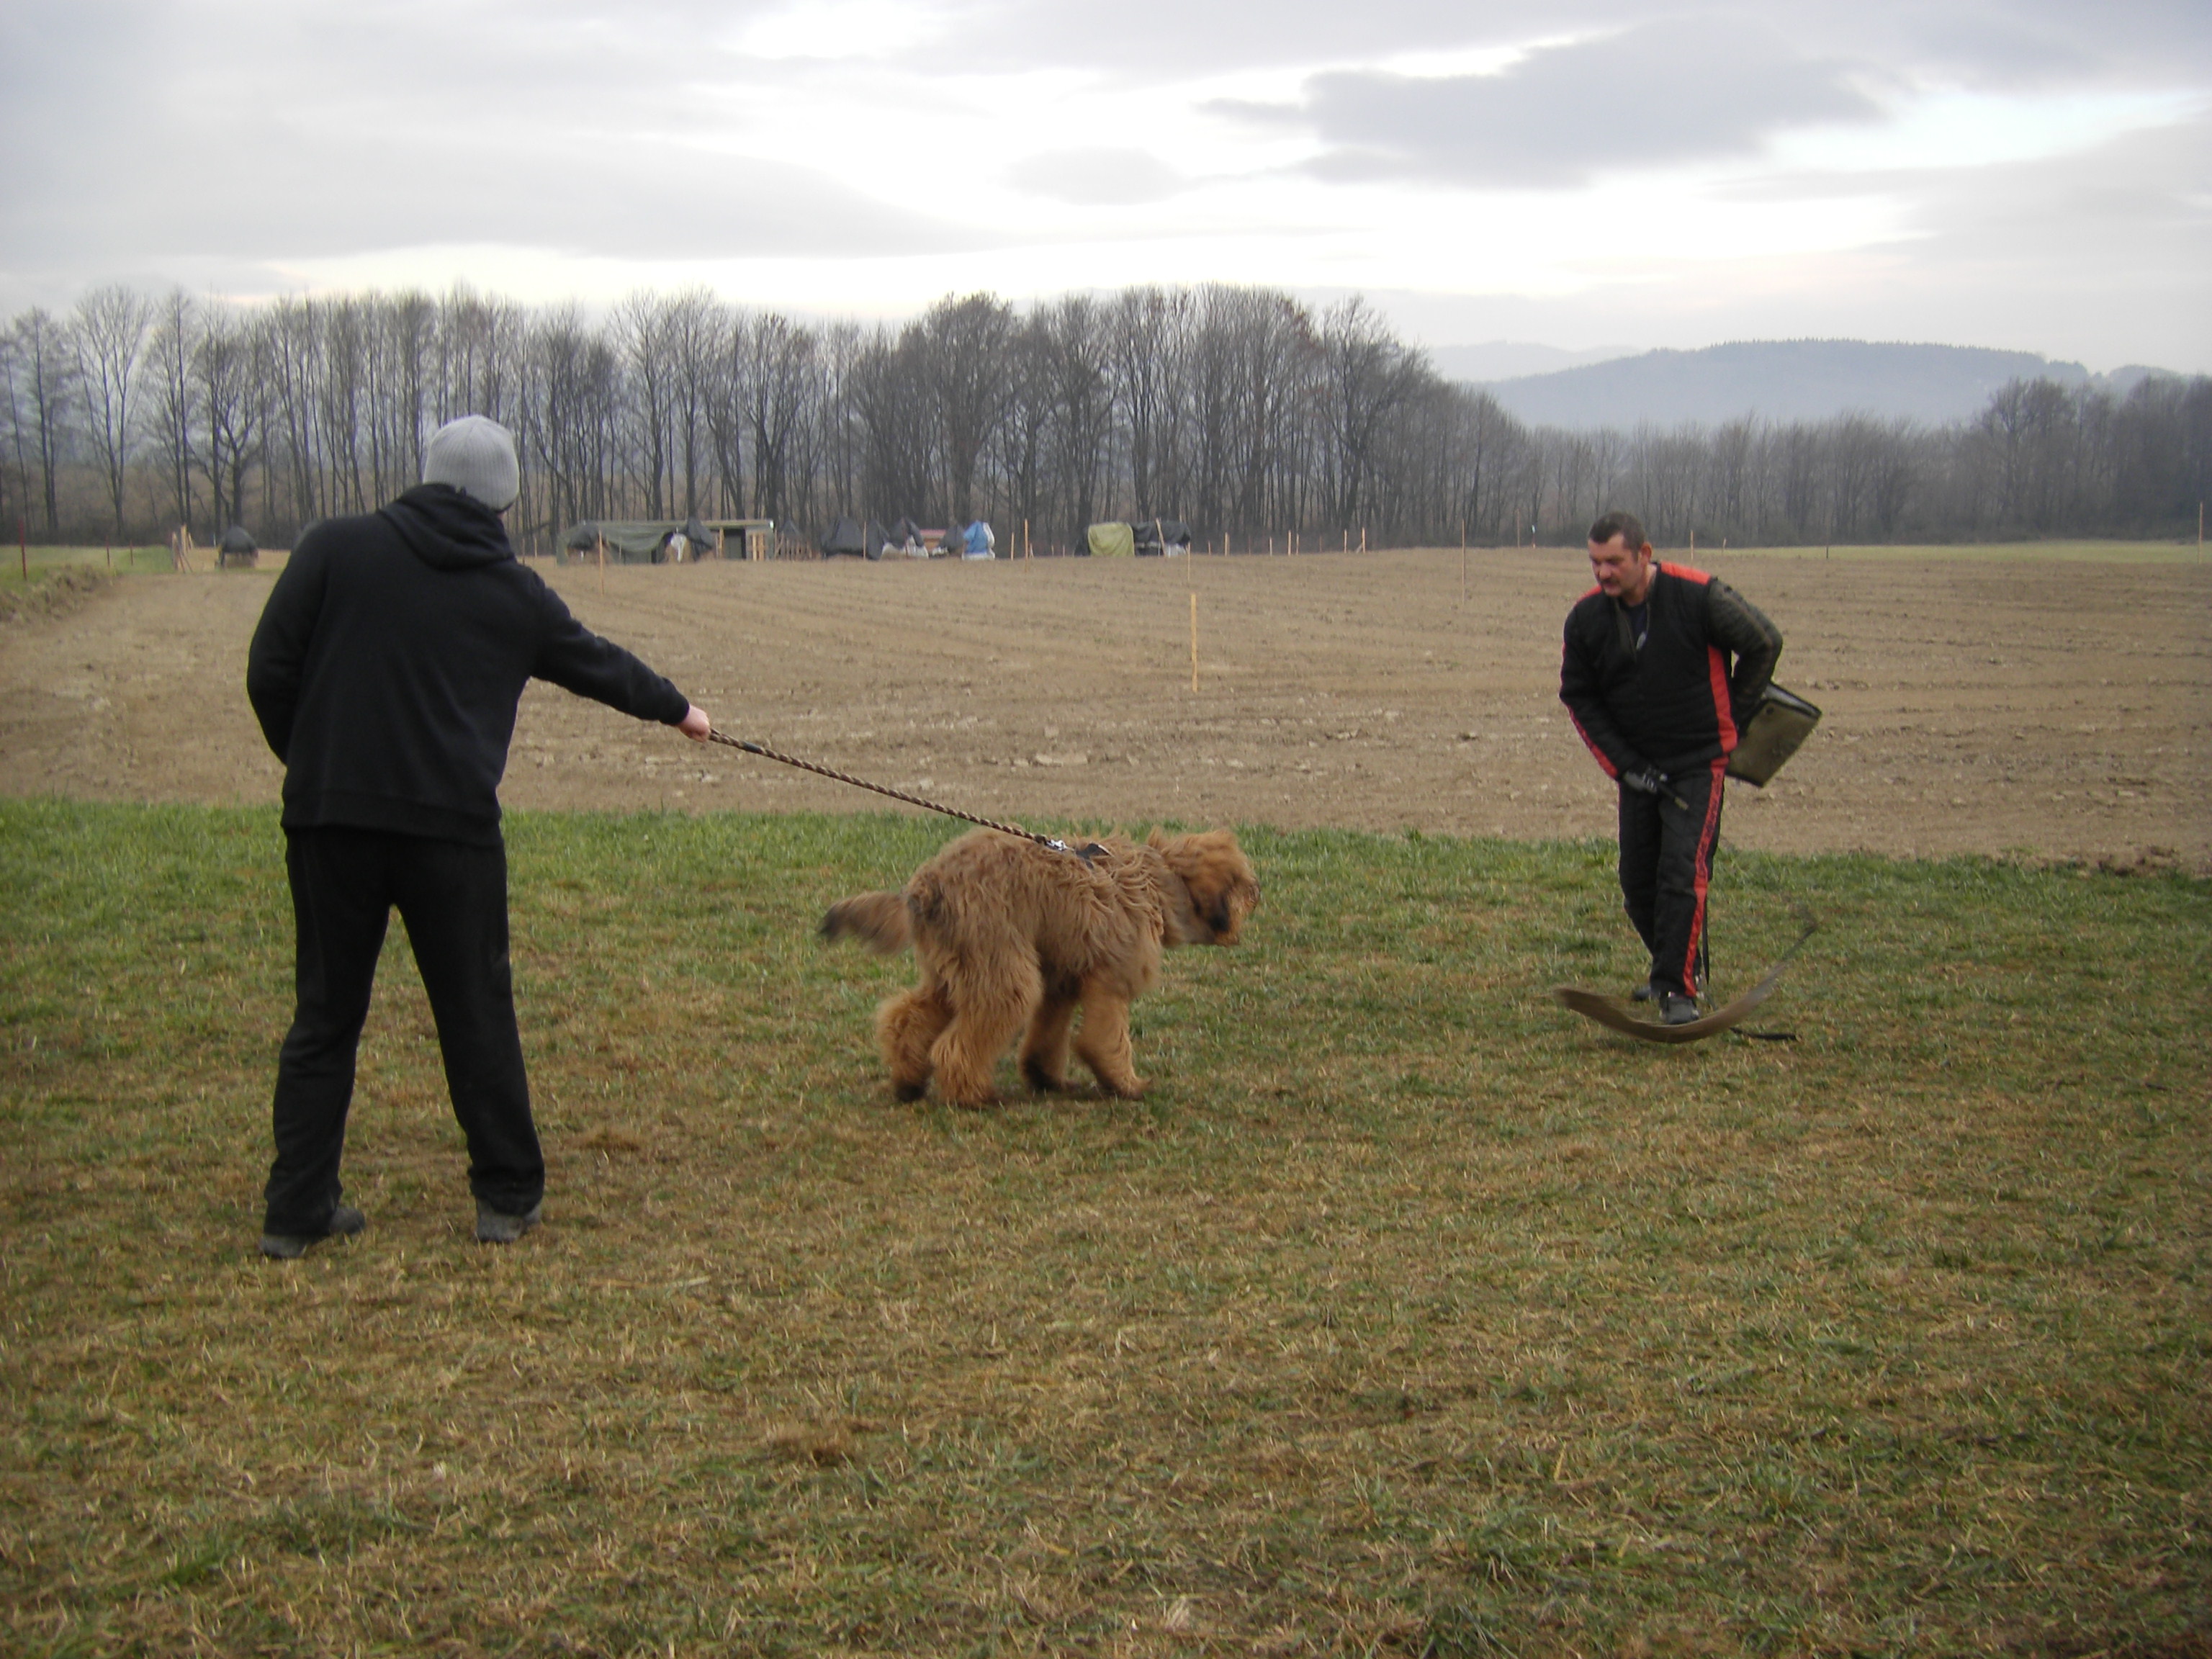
x=2035 y=175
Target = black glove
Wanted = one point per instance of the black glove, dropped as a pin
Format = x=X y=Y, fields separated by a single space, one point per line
x=1645 y=780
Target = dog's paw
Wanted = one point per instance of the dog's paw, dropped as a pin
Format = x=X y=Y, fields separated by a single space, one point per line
x=1041 y=1080
x=908 y=1093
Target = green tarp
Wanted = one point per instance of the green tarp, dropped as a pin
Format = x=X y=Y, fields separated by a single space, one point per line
x=631 y=541
x=1113 y=541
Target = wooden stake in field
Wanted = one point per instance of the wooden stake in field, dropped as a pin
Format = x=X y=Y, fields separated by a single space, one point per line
x=600 y=543
x=1462 y=563
x=1194 y=641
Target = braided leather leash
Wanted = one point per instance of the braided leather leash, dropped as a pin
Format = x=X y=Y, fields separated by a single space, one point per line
x=767 y=753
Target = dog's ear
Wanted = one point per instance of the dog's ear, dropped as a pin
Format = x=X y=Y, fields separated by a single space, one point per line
x=1220 y=889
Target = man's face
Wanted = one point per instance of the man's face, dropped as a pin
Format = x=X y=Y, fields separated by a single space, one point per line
x=1623 y=572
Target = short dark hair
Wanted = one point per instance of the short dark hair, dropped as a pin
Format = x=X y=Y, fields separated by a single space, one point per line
x=1626 y=525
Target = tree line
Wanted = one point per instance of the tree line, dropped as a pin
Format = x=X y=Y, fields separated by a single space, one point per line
x=1241 y=410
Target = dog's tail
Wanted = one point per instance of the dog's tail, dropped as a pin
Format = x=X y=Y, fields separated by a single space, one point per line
x=878 y=920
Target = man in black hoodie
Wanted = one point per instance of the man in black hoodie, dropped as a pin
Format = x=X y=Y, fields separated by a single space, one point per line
x=1662 y=666
x=385 y=672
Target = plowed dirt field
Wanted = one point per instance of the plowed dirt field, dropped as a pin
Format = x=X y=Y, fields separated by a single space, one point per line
x=2000 y=702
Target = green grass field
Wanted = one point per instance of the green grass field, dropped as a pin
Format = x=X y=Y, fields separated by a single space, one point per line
x=1406 y=1315
x=44 y=561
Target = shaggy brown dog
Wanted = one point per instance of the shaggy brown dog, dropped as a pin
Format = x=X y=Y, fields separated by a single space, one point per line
x=1010 y=932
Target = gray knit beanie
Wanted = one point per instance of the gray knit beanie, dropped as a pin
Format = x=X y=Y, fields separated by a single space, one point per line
x=475 y=455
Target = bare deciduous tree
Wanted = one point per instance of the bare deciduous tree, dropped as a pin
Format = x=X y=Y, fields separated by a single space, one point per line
x=231 y=363
x=962 y=350
x=108 y=331
x=175 y=395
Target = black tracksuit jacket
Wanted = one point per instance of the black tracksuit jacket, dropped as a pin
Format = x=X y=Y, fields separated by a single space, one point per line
x=1677 y=702
x=391 y=655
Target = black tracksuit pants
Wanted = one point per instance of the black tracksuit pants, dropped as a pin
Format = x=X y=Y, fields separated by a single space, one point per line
x=452 y=897
x=1666 y=866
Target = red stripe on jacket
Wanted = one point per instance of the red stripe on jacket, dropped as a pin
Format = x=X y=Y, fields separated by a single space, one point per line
x=1723 y=711
x=1716 y=665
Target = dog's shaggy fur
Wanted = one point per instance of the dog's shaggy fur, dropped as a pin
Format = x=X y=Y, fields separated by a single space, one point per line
x=1010 y=933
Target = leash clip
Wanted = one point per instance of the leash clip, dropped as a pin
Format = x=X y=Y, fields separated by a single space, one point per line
x=1089 y=851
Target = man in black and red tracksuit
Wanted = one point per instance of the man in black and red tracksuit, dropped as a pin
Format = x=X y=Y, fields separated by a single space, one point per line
x=385 y=672
x=1663 y=666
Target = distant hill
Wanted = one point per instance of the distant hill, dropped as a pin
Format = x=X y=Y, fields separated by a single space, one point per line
x=1783 y=380
x=1507 y=360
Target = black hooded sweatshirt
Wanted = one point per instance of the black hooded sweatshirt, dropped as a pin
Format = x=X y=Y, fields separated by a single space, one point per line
x=391 y=658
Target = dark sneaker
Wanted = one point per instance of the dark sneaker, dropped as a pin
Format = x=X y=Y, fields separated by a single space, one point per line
x=499 y=1227
x=1677 y=1009
x=1643 y=992
x=344 y=1221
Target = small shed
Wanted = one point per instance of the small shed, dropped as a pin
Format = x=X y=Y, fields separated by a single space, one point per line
x=743 y=538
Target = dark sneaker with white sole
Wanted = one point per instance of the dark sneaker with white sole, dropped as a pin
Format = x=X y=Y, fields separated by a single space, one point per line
x=1677 y=1009
x=344 y=1222
x=502 y=1227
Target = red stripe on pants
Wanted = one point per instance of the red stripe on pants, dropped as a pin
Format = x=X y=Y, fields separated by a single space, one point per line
x=1708 y=836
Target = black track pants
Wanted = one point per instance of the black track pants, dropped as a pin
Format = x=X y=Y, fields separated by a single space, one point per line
x=452 y=897
x=1666 y=866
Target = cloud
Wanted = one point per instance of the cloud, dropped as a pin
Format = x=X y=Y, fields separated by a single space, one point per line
x=307 y=194
x=331 y=133
x=2097 y=256
x=1650 y=97
x=1988 y=45
x=2136 y=211
x=582 y=142
x=1193 y=39
x=840 y=28
x=2037 y=44
x=1098 y=177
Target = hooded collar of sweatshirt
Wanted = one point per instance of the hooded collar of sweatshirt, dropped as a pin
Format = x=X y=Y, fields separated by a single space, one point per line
x=447 y=530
